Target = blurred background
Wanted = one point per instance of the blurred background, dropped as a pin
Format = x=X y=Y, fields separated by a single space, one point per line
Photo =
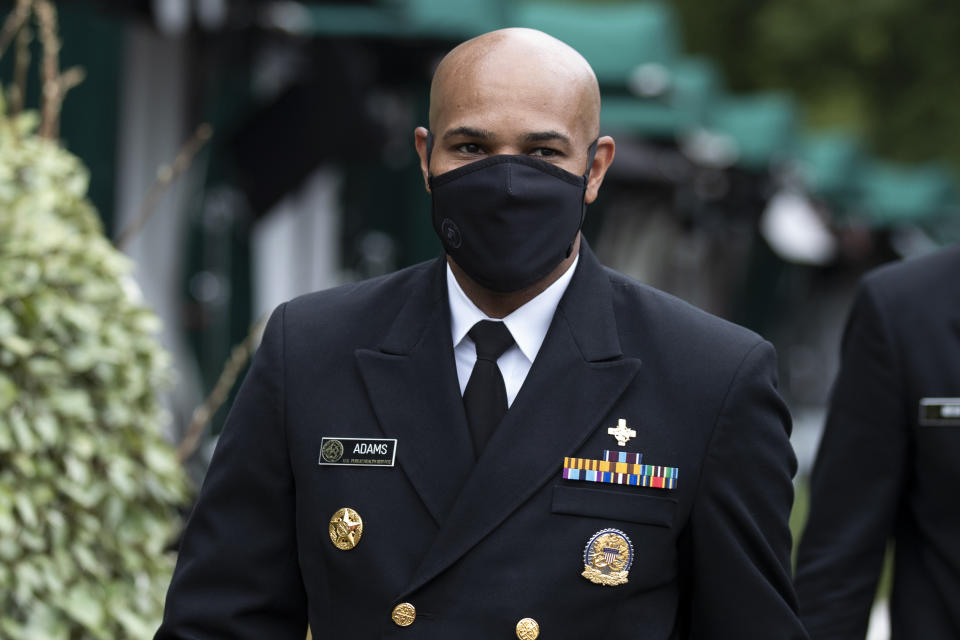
x=768 y=153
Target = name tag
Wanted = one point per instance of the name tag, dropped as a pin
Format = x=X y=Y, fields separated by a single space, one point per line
x=936 y=412
x=358 y=452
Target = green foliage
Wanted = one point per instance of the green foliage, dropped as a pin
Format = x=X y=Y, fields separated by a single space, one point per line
x=883 y=68
x=88 y=486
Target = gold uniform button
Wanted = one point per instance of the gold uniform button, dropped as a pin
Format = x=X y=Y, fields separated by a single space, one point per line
x=404 y=614
x=346 y=529
x=528 y=629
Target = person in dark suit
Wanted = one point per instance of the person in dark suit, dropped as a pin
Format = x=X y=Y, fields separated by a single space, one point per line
x=508 y=441
x=887 y=464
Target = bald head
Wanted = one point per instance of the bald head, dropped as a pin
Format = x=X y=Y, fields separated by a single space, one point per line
x=512 y=61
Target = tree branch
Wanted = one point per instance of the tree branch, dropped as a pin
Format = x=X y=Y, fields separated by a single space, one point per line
x=202 y=415
x=165 y=177
x=21 y=68
x=13 y=23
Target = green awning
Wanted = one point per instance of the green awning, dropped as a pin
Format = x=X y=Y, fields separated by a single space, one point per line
x=695 y=83
x=626 y=114
x=457 y=18
x=894 y=195
x=829 y=163
x=614 y=38
x=442 y=19
x=761 y=127
x=692 y=85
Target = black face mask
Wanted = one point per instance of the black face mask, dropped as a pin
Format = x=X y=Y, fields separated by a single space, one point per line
x=506 y=220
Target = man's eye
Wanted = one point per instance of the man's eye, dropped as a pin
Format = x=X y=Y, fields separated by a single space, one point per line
x=545 y=152
x=469 y=147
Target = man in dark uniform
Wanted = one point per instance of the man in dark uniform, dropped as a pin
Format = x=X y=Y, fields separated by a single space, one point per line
x=888 y=466
x=510 y=441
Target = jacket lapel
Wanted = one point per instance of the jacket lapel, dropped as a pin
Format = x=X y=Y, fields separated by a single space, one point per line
x=412 y=384
x=577 y=376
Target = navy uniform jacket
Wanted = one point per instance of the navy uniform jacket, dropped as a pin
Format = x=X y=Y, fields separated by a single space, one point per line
x=476 y=545
x=881 y=471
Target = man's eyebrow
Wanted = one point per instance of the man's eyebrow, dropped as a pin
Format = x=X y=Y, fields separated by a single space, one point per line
x=546 y=136
x=469 y=132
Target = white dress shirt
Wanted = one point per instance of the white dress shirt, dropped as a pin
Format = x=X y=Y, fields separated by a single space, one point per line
x=528 y=325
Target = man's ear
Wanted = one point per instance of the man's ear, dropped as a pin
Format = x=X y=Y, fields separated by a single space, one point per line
x=601 y=162
x=420 y=142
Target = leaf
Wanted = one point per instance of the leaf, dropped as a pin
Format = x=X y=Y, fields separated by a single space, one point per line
x=135 y=625
x=9 y=550
x=22 y=433
x=46 y=427
x=16 y=345
x=83 y=605
x=8 y=323
x=26 y=510
x=45 y=621
x=73 y=404
x=87 y=559
x=160 y=460
x=26 y=123
x=8 y=524
x=8 y=392
x=25 y=464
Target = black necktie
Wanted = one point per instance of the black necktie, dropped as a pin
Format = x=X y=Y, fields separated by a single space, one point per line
x=485 y=397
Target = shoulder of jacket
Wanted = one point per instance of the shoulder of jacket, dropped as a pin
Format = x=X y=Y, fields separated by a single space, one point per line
x=921 y=279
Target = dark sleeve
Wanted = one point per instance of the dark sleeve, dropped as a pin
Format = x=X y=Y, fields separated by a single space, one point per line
x=739 y=532
x=237 y=574
x=856 y=482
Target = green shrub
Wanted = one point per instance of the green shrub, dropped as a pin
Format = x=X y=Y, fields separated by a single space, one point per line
x=88 y=486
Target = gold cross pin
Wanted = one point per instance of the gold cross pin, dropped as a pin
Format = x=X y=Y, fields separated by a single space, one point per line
x=621 y=432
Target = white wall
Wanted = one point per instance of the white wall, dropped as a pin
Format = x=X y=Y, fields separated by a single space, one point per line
x=296 y=246
x=152 y=128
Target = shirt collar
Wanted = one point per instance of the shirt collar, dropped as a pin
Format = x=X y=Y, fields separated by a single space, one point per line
x=528 y=324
